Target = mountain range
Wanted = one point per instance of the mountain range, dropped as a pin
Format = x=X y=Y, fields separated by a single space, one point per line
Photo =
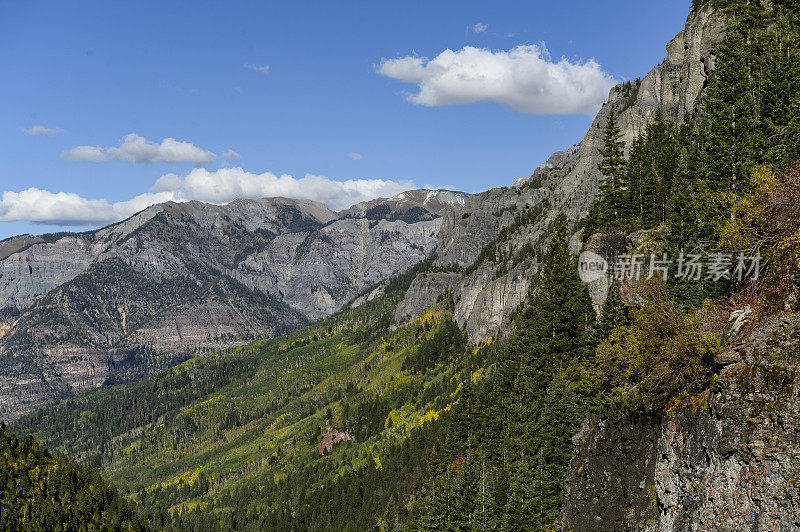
x=182 y=279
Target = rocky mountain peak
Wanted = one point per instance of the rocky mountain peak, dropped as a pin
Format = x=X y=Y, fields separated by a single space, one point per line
x=433 y=201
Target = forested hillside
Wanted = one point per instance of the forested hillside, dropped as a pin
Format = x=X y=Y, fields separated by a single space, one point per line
x=724 y=187
x=42 y=492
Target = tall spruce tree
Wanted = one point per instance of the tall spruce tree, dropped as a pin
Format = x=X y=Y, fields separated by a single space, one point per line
x=635 y=171
x=662 y=153
x=684 y=223
x=780 y=115
x=552 y=331
x=729 y=132
x=612 y=314
x=613 y=189
x=559 y=419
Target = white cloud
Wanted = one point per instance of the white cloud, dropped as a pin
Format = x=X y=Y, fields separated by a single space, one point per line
x=41 y=130
x=221 y=186
x=61 y=208
x=480 y=27
x=524 y=79
x=227 y=184
x=355 y=156
x=230 y=154
x=84 y=153
x=138 y=150
x=263 y=69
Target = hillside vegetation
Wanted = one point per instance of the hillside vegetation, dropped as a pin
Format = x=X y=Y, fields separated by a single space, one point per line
x=41 y=492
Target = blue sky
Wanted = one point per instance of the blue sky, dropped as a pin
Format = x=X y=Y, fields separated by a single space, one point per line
x=295 y=88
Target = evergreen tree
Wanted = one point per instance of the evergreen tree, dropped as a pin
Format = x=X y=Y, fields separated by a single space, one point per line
x=613 y=188
x=780 y=100
x=662 y=152
x=559 y=312
x=729 y=132
x=560 y=418
x=635 y=170
x=516 y=514
x=684 y=224
x=482 y=518
x=612 y=314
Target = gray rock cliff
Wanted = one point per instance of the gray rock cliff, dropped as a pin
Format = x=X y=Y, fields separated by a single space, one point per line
x=729 y=465
x=567 y=182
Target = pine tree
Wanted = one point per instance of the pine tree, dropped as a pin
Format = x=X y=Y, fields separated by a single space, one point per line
x=465 y=494
x=684 y=223
x=780 y=100
x=612 y=314
x=662 y=152
x=557 y=317
x=482 y=509
x=516 y=515
x=729 y=132
x=612 y=166
x=560 y=418
x=635 y=172
x=552 y=332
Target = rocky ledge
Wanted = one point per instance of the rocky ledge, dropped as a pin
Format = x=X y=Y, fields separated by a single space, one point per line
x=730 y=462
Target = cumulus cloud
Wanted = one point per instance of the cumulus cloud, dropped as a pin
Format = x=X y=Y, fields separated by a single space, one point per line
x=138 y=150
x=264 y=69
x=220 y=186
x=230 y=154
x=524 y=79
x=66 y=208
x=93 y=154
x=227 y=184
x=355 y=156
x=480 y=27
x=59 y=208
x=40 y=130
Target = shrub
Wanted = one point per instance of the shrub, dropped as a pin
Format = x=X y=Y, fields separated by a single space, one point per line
x=662 y=353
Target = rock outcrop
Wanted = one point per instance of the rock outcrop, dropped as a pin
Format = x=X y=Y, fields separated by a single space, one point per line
x=729 y=462
x=332 y=437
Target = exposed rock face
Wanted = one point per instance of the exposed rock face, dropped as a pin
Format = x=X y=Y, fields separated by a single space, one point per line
x=332 y=437
x=319 y=270
x=568 y=181
x=485 y=301
x=423 y=293
x=28 y=274
x=433 y=201
x=468 y=227
x=17 y=243
x=731 y=465
x=181 y=279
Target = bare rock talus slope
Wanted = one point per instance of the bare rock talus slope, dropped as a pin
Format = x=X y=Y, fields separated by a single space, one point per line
x=484 y=239
x=180 y=279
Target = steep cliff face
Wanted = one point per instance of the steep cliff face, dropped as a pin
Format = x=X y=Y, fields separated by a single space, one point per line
x=730 y=464
x=567 y=182
x=319 y=270
x=181 y=279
